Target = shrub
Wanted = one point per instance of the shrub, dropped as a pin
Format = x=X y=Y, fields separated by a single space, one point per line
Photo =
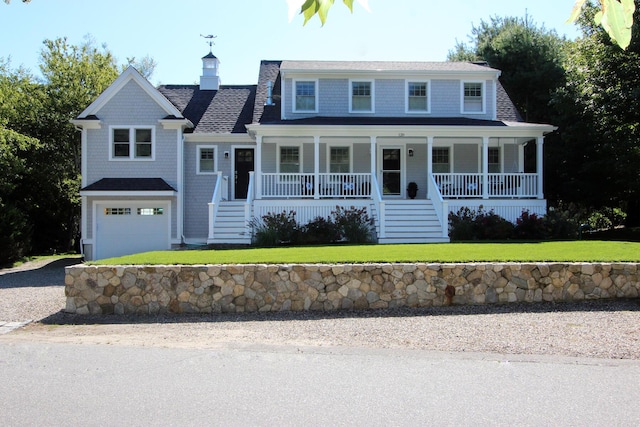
x=275 y=229
x=467 y=224
x=562 y=224
x=354 y=225
x=530 y=227
x=320 y=231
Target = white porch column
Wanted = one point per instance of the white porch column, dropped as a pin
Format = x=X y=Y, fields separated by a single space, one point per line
x=372 y=155
x=258 y=167
x=429 y=162
x=485 y=167
x=316 y=167
x=539 y=164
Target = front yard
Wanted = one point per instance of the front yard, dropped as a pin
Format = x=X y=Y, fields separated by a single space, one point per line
x=573 y=251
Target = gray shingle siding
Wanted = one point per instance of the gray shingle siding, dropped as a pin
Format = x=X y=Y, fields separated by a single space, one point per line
x=390 y=99
x=131 y=106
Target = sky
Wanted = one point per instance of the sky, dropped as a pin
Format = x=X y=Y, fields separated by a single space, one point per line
x=251 y=30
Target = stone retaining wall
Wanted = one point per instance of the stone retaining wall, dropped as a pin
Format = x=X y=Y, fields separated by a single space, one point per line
x=245 y=288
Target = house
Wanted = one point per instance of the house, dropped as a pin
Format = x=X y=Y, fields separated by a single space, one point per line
x=193 y=163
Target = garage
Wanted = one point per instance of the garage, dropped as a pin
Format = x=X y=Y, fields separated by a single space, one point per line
x=131 y=227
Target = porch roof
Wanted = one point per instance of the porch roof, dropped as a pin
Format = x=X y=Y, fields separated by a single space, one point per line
x=387 y=121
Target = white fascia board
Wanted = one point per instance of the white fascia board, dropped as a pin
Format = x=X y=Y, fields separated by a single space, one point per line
x=527 y=130
x=178 y=124
x=127 y=75
x=489 y=74
x=238 y=138
x=127 y=193
x=86 y=124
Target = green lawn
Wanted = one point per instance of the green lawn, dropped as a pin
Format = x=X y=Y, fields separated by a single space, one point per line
x=587 y=251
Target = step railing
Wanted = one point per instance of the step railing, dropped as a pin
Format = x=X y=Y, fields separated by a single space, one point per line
x=215 y=203
x=440 y=205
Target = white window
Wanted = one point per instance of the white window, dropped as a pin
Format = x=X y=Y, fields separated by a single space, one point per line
x=494 y=160
x=289 y=159
x=132 y=143
x=361 y=97
x=440 y=160
x=150 y=211
x=306 y=97
x=206 y=159
x=473 y=97
x=417 y=97
x=117 y=211
x=339 y=160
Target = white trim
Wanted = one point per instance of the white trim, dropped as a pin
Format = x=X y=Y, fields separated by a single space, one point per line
x=484 y=97
x=300 y=154
x=406 y=96
x=339 y=145
x=232 y=189
x=403 y=168
x=215 y=159
x=372 y=82
x=124 y=203
x=294 y=94
x=180 y=184
x=127 y=75
x=128 y=193
x=132 y=144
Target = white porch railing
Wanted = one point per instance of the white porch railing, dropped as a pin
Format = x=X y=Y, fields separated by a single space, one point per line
x=250 y=196
x=500 y=185
x=303 y=185
x=215 y=203
x=380 y=205
x=440 y=205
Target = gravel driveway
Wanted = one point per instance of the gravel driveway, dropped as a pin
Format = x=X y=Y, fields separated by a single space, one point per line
x=596 y=329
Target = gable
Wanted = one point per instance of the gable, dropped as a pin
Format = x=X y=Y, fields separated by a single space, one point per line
x=128 y=77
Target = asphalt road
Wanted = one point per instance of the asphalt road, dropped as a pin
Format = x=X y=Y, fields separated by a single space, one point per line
x=93 y=385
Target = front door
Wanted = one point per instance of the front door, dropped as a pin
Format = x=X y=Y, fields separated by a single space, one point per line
x=391 y=171
x=243 y=165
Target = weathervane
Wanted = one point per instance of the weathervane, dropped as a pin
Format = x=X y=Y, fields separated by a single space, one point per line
x=209 y=38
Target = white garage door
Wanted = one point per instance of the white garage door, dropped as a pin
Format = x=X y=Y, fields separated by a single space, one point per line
x=123 y=229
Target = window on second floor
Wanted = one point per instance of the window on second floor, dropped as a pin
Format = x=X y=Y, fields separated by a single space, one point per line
x=131 y=143
x=206 y=160
x=417 y=97
x=473 y=97
x=289 y=159
x=440 y=160
x=306 y=99
x=494 y=160
x=339 y=161
x=361 y=98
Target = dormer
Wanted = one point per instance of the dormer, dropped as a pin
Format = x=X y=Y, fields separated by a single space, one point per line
x=388 y=89
x=210 y=79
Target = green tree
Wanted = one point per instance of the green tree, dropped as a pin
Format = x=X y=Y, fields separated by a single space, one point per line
x=73 y=76
x=530 y=58
x=596 y=160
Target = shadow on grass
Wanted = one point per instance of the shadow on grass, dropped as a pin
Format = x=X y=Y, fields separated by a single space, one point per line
x=62 y=318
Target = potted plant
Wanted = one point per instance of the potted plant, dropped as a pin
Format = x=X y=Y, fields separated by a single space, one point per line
x=412 y=190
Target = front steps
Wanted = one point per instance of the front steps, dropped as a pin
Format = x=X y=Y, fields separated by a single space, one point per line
x=230 y=226
x=406 y=221
x=411 y=221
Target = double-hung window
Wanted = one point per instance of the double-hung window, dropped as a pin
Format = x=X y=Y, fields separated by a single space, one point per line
x=306 y=98
x=339 y=161
x=493 y=158
x=417 y=97
x=473 y=97
x=206 y=161
x=361 y=99
x=289 y=159
x=132 y=143
x=440 y=160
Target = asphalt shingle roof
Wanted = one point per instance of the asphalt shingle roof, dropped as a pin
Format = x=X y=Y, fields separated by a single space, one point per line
x=129 y=184
x=226 y=110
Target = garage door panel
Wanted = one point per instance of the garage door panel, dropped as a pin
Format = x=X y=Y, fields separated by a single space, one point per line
x=128 y=229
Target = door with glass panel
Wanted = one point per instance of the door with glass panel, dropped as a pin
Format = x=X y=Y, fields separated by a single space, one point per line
x=391 y=171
